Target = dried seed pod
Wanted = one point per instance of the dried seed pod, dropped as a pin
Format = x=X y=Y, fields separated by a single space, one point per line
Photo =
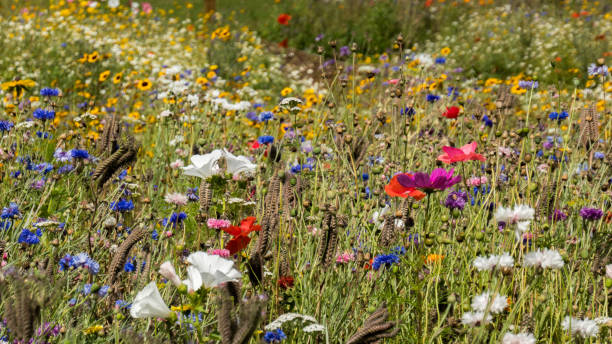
x=375 y=328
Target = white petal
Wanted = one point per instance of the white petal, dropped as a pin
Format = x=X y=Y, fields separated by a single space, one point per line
x=149 y=303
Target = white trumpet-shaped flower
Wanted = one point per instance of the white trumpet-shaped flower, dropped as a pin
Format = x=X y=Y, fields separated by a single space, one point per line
x=149 y=303
x=207 y=165
x=167 y=270
x=209 y=270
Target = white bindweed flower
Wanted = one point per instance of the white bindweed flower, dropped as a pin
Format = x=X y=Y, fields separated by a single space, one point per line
x=521 y=338
x=584 y=328
x=209 y=270
x=207 y=165
x=148 y=303
x=609 y=270
x=113 y=3
x=547 y=259
x=482 y=301
x=167 y=270
x=475 y=318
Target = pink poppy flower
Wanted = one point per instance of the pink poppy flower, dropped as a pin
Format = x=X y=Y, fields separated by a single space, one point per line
x=465 y=153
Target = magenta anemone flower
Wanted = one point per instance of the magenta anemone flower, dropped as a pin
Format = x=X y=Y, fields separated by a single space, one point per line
x=439 y=180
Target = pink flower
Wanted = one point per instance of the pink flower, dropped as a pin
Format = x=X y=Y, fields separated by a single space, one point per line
x=218 y=223
x=176 y=198
x=177 y=164
x=345 y=257
x=477 y=181
x=393 y=81
x=221 y=252
x=465 y=153
x=147 y=8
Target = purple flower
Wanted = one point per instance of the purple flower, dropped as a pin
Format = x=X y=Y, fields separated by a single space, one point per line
x=456 y=200
x=439 y=180
x=591 y=213
x=559 y=215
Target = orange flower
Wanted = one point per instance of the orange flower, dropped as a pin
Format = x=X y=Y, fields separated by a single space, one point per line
x=434 y=258
x=395 y=189
x=283 y=19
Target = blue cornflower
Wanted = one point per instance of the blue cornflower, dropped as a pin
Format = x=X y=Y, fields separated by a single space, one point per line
x=129 y=265
x=43 y=135
x=155 y=235
x=192 y=194
x=79 y=154
x=174 y=219
x=266 y=116
x=599 y=155
x=385 y=260
x=432 y=98
x=61 y=155
x=92 y=266
x=122 y=205
x=597 y=70
x=72 y=302
x=399 y=250
x=365 y=177
x=6 y=224
x=452 y=91
x=487 y=121
x=252 y=116
x=274 y=336
x=43 y=114
x=265 y=139
x=6 y=125
x=528 y=84
x=12 y=211
x=65 y=169
x=49 y=92
x=408 y=111
x=440 y=60
x=103 y=290
x=44 y=168
x=30 y=238
x=558 y=116
x=87 y=289
x=122 y=175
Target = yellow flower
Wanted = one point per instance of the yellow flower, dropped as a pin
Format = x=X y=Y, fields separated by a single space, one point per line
x=286 y=91
x=93 y=329
x=445 y=51
x=211 y=74
x=516 y=89
x=84 y=58
x=117 y=78
x=104 y=75
x=201 y=80
x=93 y=57
x=144 y=85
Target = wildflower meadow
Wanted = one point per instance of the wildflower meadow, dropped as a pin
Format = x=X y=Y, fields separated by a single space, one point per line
x=313 y=172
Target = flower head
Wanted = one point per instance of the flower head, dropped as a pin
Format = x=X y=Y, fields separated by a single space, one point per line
x=451 y=112
x=520 y=338
x=438 y=180
x=148 y=303
x=456 y=200
x=209 y=270
x=283 y=19
x=550 y=259
x=207 y=165
x=591 y=214
x=176 y=199
x=385 y=260
x=465 y=153
x=395 y=189
x=167 y=270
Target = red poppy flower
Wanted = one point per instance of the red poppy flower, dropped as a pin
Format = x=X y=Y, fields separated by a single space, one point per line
x=283 y=19
x=395 y=189
x=284 y=43
x=575 y=15
x=240 y=234
x=451 y=112
x=253 y=145
x=285 y=282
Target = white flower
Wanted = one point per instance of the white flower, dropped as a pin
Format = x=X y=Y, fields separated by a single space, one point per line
x=113 y=3
x=521 y=215
x=209 y=270
x=283 y=318
x=193 y=99
x=475 y=318
x=26 y=124
x=167 y=270
x=149 y=303
x=521 y=338
x=206 y=165
x=165 y=113
x=609 y=270
x=584 y=328
x=481 y=302
x=550 y=259
x=493 y=261
x=176 y=198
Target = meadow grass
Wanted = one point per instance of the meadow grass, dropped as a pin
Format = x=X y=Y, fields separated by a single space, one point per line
x=111 y=124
